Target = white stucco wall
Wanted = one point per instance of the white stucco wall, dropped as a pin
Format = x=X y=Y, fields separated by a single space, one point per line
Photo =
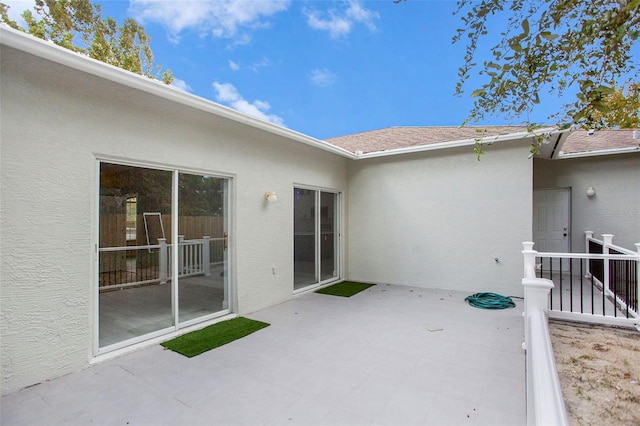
x=615 y=209
x=439 y=219
x=55 y=123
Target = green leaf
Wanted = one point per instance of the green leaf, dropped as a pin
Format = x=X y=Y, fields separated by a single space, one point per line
x=515 y=45
x=605 y=90
x=601 y=107
x=525 y=27
x=548 y=36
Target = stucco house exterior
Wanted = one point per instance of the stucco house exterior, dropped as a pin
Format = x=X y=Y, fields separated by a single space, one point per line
x=608 y=161
x=131 y=211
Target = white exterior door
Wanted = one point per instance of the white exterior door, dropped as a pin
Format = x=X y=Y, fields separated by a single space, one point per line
x=551 y=227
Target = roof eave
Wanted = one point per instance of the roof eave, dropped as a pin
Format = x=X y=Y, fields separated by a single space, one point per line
x=463 y=142
x=49 y=51
x=611 y=151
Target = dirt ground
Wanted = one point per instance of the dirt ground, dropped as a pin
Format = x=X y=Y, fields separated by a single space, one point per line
x=599 y=369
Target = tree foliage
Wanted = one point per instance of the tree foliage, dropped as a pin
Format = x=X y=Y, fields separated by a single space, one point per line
x=622 y=109
x=78 y=25
x=581 y=49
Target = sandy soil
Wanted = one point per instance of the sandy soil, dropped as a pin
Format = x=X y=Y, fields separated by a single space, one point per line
x=599 y=369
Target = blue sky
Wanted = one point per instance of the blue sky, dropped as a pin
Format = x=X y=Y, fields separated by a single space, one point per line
x=323 y=68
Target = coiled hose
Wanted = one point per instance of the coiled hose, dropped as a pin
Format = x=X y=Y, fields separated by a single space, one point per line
x=491 y=301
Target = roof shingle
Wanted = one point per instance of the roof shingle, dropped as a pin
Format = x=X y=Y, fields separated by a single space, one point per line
x=403 y=137
x=599 y=140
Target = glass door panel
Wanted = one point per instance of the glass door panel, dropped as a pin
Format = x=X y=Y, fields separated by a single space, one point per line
x=328 y=235
x=304 y=238
x=202 y=246
x=134 y=293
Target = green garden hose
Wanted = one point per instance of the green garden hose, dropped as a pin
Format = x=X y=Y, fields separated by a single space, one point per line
x=491 y=301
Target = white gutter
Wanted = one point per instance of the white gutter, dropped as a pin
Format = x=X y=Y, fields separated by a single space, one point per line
x=52 y=52
x=611 y=151
x=546 y=131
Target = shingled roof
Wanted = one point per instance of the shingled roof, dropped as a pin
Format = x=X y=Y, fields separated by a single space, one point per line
x=583 y=141
x=392 y=138
x=404 y=137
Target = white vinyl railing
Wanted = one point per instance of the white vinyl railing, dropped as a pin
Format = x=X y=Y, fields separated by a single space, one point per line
x=545 y=404
x=195 y=257
x=611 y=274
x=600 y=286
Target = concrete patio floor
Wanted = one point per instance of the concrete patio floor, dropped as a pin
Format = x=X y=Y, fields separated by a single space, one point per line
x=391 y=355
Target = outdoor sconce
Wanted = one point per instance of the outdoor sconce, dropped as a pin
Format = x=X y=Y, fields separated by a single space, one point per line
x=590 y=191
x=270 y=197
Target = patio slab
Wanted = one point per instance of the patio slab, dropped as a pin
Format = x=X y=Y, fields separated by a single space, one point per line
x=391 y=355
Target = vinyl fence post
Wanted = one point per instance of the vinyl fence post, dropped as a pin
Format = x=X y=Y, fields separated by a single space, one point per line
x=181 y=249
x=162 y=264
x=206 y=261
x=607 y=240
x=529 y=255
x=587 y=236
x=536 y=298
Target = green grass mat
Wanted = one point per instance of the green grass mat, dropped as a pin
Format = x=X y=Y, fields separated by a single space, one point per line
x=344 y=289
x=197 y=342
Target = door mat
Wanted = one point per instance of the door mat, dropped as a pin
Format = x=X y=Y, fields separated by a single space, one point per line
x=344 y=289
x=213 y=336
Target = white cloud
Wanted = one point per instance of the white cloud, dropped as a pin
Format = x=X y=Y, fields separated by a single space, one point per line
x=264 y=62
x=228 y=94
x=336 y=25
x=359 y=14
x=340 y=23
x=255 y=66
x=322 y=77
x=181 y=84
x=221 y=18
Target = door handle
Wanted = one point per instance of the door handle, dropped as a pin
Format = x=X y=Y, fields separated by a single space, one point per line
x=224 y=241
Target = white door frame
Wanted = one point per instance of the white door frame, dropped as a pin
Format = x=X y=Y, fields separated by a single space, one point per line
x=338 y=255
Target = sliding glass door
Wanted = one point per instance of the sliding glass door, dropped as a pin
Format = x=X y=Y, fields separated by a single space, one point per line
x=316 y=237
x=162 y=252
x=134 y=216
x=202 y=243
x=304 y=238
x=328 y=236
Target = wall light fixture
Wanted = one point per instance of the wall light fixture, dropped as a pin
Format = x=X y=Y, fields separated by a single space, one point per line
x=590 y=191
x=270 y=196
